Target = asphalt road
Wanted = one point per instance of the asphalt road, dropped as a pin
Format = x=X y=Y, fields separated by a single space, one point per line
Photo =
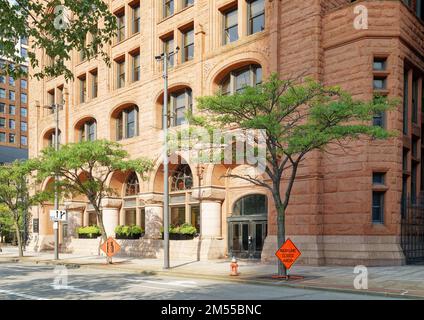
x=41 y=282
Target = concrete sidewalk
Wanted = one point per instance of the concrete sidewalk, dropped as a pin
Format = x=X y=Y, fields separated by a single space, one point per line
x=405 y=281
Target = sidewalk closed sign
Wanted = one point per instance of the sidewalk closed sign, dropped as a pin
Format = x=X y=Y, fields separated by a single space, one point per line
x=110 y=247
x=288 y=254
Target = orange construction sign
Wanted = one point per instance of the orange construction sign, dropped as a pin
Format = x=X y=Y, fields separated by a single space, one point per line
x=288 y=254
x=110 y=247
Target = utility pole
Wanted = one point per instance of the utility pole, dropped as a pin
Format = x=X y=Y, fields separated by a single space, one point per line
x=164 y=58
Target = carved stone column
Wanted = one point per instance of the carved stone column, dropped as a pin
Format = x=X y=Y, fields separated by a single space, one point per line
x=75 y=211
x=110 y=212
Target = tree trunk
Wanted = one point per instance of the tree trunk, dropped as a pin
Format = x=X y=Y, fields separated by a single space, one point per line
x=19 y=239
x=103 y=231
x=281 y=236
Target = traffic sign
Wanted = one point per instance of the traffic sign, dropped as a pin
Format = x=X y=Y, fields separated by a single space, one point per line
x=58 y=215
x=110 y=247
x=288 y=254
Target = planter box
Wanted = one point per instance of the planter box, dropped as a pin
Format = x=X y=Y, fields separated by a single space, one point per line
x=130 y=237
x=179 y=236
x=89 y=236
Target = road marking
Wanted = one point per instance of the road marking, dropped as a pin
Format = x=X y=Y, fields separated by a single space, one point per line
x=21 y=295
x=185 y=284
x=158 y=288
x=71 y=288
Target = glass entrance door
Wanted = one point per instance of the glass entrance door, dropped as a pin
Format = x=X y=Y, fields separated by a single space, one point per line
x=246 y=238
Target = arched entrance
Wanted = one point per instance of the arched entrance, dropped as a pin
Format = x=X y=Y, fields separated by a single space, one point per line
x=248 y=226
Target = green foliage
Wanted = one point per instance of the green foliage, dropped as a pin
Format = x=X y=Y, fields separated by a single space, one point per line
x=296 y=118
x=128 y=230
x=185 y=228
x=6 y=222
x=89 y=230
x=88 y=20
x=85 y=167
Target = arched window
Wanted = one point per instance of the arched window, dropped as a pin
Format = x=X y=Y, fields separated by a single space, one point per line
x=255 y=204
x=182 y=178
x=179 y=102
x=238 y=79
x=127 y=123
x=50 y=138
x=87 y=131
x=132 y=186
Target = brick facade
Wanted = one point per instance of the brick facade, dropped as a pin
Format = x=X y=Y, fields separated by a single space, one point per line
x=330 y=213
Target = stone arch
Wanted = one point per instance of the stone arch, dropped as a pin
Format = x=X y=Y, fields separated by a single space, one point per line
x=116 y=112
x=46 y=136
x=236 y=61
x=117 y=181
x=158 y=100
x=79 y=123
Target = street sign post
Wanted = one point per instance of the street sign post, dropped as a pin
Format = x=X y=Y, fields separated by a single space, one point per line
x=58 y=215
x=288 y=254
x=110 y=247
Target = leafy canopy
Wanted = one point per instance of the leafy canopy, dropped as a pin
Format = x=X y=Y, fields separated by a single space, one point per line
x=56 y=31
x=84 y=167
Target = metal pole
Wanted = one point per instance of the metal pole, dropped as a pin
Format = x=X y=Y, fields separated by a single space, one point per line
x=56 y=178
x=165 y=164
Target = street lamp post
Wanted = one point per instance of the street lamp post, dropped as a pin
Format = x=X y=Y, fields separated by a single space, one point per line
x=164 y=58
x=56 y=107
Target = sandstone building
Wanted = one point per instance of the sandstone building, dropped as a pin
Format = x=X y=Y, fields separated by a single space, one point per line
x=346 y=207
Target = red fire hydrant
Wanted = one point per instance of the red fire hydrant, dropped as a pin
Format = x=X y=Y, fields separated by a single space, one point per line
x=234 y=267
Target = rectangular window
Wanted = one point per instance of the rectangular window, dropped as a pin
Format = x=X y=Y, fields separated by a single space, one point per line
x=2 y=137
x=2 y=108
x=83 y=89
x=379 y=64
x=120 y=74
x=11 y=81
x=24 y=98
x=405 y=101
x=24 y=140
x=380 y=83
x=378 y=178
x=187 y=3
x=24 y=53
x=120 y=20
x=415 y=100
x=136 y=18
x=2 y=93
x=414 y=170
x=168 y=8
x=24 y=84
x=188 y=45
x=168 y=47
x=136 y=67
x=230 y=32
x=2 y=79
x=12 y=95
x=12 y=109
x=11 y=138
x=24 y=41
x=24 y=126
x=256 y=12
x=94 y=84
x=377 y=207
x=12 y=124
x=2 y=123
x=51 y=98
x=24 y=112
x=130 y=125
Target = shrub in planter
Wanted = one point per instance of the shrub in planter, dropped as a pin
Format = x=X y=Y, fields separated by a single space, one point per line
x=128 y=232
x=183 y=232
x=89 y=232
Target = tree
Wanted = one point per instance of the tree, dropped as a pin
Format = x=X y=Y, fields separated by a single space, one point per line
x=6 y=223
x=57 y=27
x=15 y=196
x=84 y=168
x=296 y=119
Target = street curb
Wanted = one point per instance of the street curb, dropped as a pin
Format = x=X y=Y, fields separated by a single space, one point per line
x=69 y=264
